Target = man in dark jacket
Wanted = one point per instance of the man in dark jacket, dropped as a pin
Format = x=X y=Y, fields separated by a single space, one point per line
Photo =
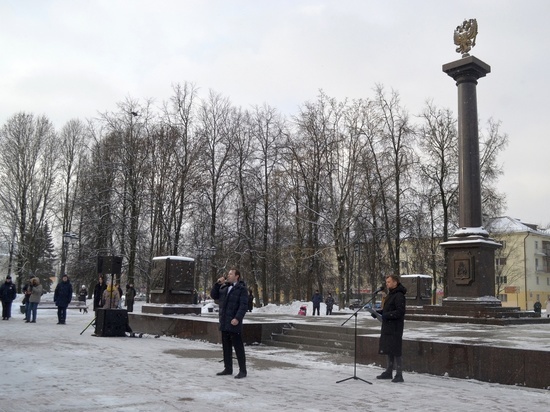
x=62 y=297
x=233 y=300
x=393 y=321
x=98 y=292
x=316 y=299
x=7 y=296
x=130 y=297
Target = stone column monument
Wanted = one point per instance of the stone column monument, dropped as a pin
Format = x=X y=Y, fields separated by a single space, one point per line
x=470 y=251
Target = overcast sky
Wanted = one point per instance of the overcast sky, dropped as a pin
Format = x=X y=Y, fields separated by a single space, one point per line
x=74 y=58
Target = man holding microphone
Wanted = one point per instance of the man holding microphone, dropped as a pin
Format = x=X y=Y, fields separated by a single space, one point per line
x=232 y=295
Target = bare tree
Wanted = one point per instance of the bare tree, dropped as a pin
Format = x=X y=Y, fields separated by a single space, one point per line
x=28 y=173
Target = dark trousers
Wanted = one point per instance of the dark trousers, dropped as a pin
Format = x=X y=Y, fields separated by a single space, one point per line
x=61 y=314
x=130 y=306
x=6 y=310
x=316 y=308
x=235 y=340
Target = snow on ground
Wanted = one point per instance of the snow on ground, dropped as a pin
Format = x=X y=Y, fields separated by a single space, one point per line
x=49 y=367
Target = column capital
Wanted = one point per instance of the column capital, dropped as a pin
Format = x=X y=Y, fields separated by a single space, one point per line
x=467 y=69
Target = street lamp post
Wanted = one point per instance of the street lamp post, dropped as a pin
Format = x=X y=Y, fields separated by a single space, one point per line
x=69 y=238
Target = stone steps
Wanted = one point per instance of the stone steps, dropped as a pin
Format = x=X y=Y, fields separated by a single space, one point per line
x=316 y=338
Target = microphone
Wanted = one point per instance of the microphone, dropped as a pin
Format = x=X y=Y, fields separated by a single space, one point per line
x=380 y=289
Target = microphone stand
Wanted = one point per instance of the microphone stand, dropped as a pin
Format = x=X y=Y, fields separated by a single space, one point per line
x=354 y=315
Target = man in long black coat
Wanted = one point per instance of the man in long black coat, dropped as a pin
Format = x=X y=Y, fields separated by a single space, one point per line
x=62 y=296
x=7 y=296
x=233 y=300
x=393 y=321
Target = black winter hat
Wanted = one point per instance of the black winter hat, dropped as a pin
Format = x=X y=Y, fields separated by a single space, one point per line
x=8 y=277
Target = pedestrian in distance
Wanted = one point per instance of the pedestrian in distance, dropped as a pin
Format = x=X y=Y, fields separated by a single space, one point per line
x=8 y=294
x=391 y=334
x=250 y=300
x=329 y=301
x=120 y=294
x=98 y=292
x=82 y=296
x=62 y=296
x=27 y=291
x=537 y=307
x=130 y=297
x=34 y=300
x=548 y=307
x=232 y=295
x=316 y=299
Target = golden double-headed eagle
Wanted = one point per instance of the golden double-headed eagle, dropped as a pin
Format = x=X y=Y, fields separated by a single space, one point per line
x=465 y=36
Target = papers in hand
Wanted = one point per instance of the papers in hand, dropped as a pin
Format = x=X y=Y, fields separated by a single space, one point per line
x=375 y=313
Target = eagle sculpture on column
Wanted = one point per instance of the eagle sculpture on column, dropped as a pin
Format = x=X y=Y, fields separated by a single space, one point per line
x=465 y=36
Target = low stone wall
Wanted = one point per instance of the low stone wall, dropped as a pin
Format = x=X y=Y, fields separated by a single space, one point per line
x=507 y=366
x=199 y=329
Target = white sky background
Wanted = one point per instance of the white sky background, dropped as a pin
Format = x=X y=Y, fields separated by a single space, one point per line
x=73 y=59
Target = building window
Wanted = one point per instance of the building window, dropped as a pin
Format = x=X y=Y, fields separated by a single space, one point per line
x=536 y=264
x=503 y=297
x=500 y=261
x=537 y=280
x=502 y=280
x=536 y=244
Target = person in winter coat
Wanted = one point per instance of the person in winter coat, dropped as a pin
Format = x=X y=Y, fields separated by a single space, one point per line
x=130 y=297
x=82 y=295
x=548 y=307
x=316 y=299
x=233 y=300
x=7 y=296
x=27 y=291
x=111 y=297
x=34 y=300
x=62 y=296
x=98 y=292
x=393 y=321
x=329 y=301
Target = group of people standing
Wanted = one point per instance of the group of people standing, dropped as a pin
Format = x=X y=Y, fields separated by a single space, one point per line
x=108 y=295
x=105 y=296
x=317 y=299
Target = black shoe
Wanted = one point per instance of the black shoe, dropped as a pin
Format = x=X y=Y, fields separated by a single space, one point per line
x=33 y=321
x=240 y=375
x=398 y=378
x=224 y=372
x=27 y=321
x=384 y=375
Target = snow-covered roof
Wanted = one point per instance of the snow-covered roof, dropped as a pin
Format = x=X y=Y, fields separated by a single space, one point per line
x=506 y=224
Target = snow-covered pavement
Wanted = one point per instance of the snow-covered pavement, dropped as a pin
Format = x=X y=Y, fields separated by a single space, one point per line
x=49 y=367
